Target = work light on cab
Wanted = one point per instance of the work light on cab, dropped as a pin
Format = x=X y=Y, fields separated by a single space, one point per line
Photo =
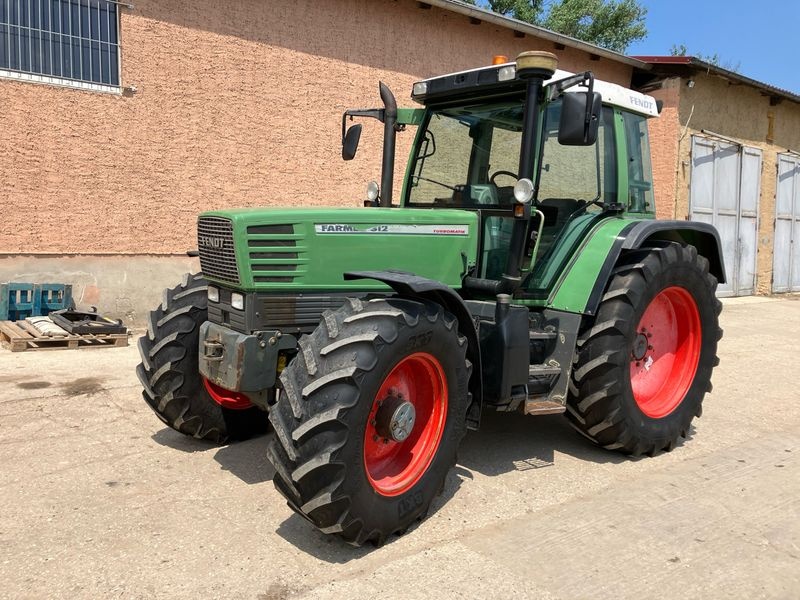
x=523 y=191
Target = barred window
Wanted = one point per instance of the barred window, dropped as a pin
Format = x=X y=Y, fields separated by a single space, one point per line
x=74 y=42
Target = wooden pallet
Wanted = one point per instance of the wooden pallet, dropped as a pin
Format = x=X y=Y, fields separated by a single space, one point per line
x=19 y=336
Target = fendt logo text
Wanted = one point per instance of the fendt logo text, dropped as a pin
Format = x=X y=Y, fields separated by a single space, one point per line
x=208 y=241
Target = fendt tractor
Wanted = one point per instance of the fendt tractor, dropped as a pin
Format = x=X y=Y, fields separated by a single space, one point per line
x=521 y=269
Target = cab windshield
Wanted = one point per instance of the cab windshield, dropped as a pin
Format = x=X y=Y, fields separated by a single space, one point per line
x=468 y=157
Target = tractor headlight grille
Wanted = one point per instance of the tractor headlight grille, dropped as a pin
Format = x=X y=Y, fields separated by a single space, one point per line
x=217 y=254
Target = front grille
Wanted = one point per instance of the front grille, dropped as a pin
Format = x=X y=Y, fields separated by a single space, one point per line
x=217 y=254
x=273 y=252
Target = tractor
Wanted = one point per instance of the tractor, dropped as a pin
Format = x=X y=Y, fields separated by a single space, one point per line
x=522 y=269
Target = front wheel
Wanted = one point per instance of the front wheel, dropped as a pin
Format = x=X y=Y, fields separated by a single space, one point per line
x=645 y=363
x=170 y=375
x=370 y=416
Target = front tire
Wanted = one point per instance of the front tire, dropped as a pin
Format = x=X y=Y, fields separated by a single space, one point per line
x=643 y=366
x=170 y=375
x=370 y=416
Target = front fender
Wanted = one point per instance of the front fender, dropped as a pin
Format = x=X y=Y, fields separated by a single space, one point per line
x=411 y=286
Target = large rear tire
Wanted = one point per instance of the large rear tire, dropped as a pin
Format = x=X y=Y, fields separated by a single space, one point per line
x=643 y=366
x=169 y=372
x=370 y=416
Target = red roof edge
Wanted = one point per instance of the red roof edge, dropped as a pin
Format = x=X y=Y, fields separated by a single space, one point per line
x=666 y=60
x=692 y=62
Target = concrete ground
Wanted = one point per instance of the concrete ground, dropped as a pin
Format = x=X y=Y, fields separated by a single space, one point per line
x=100 y=500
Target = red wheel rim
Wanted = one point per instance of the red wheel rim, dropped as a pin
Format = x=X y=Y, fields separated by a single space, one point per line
x=393 y=466
x=226 y=398
x=665 y=352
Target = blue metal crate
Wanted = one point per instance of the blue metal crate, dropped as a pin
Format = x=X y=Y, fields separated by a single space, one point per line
x=16 y=301
x=48 y=297
x=21 y=300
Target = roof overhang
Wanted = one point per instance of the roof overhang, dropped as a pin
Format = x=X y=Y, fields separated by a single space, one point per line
x=481 y=14
x=687 y=66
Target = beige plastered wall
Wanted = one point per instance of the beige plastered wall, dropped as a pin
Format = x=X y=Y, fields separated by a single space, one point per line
x=236 y=103
x=742 y=113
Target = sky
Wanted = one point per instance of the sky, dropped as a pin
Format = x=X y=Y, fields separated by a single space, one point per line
x=761 y=37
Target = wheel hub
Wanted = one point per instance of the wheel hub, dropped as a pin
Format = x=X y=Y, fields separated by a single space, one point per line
x=640 y=346
x=395 y=418
x=405 y=424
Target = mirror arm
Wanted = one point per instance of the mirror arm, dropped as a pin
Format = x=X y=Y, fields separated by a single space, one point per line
x=589 y=103
x=571 y=81
x=374 y=113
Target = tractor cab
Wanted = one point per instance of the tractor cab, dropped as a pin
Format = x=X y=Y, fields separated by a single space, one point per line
x=548 y=166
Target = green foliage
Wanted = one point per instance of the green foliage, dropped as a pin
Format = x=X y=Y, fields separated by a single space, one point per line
x=613 y=24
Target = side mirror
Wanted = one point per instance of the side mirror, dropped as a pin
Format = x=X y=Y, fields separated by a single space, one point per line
x=350 y=141
x=574 y=130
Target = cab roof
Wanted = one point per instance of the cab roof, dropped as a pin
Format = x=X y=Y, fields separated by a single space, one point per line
x=501 y=79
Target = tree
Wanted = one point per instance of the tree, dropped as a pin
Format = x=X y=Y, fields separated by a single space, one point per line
x=712 y=59
x=613 y=24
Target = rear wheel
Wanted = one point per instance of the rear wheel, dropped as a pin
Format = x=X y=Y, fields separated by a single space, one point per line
x=169 y=372
x=644 y=365
x=370 y=417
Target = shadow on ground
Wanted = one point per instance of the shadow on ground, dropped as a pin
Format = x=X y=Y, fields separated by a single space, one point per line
x=178 y=441
x=246 y=460
x=513 y=442
x=506 y=442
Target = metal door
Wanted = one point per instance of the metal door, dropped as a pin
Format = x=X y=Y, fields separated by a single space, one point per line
x=725 y=190
x=786 y=248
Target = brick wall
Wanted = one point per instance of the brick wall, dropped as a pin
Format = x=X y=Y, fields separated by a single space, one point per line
x=238 y=104
x=664 y=135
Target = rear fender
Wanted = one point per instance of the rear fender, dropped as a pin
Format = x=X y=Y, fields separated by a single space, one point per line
x=641 y=234
x=411 y=286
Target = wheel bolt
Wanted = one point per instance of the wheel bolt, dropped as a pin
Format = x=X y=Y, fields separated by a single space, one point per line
x=649 y=347
x=385 y=440
x=374 y=438
x=638 y=363
x=373 y=422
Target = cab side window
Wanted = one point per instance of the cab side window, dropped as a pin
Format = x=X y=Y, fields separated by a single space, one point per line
x=640 y=170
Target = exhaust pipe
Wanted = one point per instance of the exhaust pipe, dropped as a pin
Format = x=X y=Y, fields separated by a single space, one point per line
x=389 y=137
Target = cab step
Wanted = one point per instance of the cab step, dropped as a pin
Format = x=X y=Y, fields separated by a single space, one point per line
x=535 y=334
x=541 y=406
x=543 y=370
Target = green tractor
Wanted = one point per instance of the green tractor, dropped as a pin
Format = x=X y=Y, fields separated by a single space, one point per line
x=522 y=269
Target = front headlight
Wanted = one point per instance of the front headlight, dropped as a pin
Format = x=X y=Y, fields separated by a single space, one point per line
x=237 y=301
x=213 y=294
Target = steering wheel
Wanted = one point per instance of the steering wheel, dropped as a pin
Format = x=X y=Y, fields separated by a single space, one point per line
x=498 y=173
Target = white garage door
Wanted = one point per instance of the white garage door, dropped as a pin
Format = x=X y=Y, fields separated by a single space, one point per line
x=786 y=251
x=725 y=189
